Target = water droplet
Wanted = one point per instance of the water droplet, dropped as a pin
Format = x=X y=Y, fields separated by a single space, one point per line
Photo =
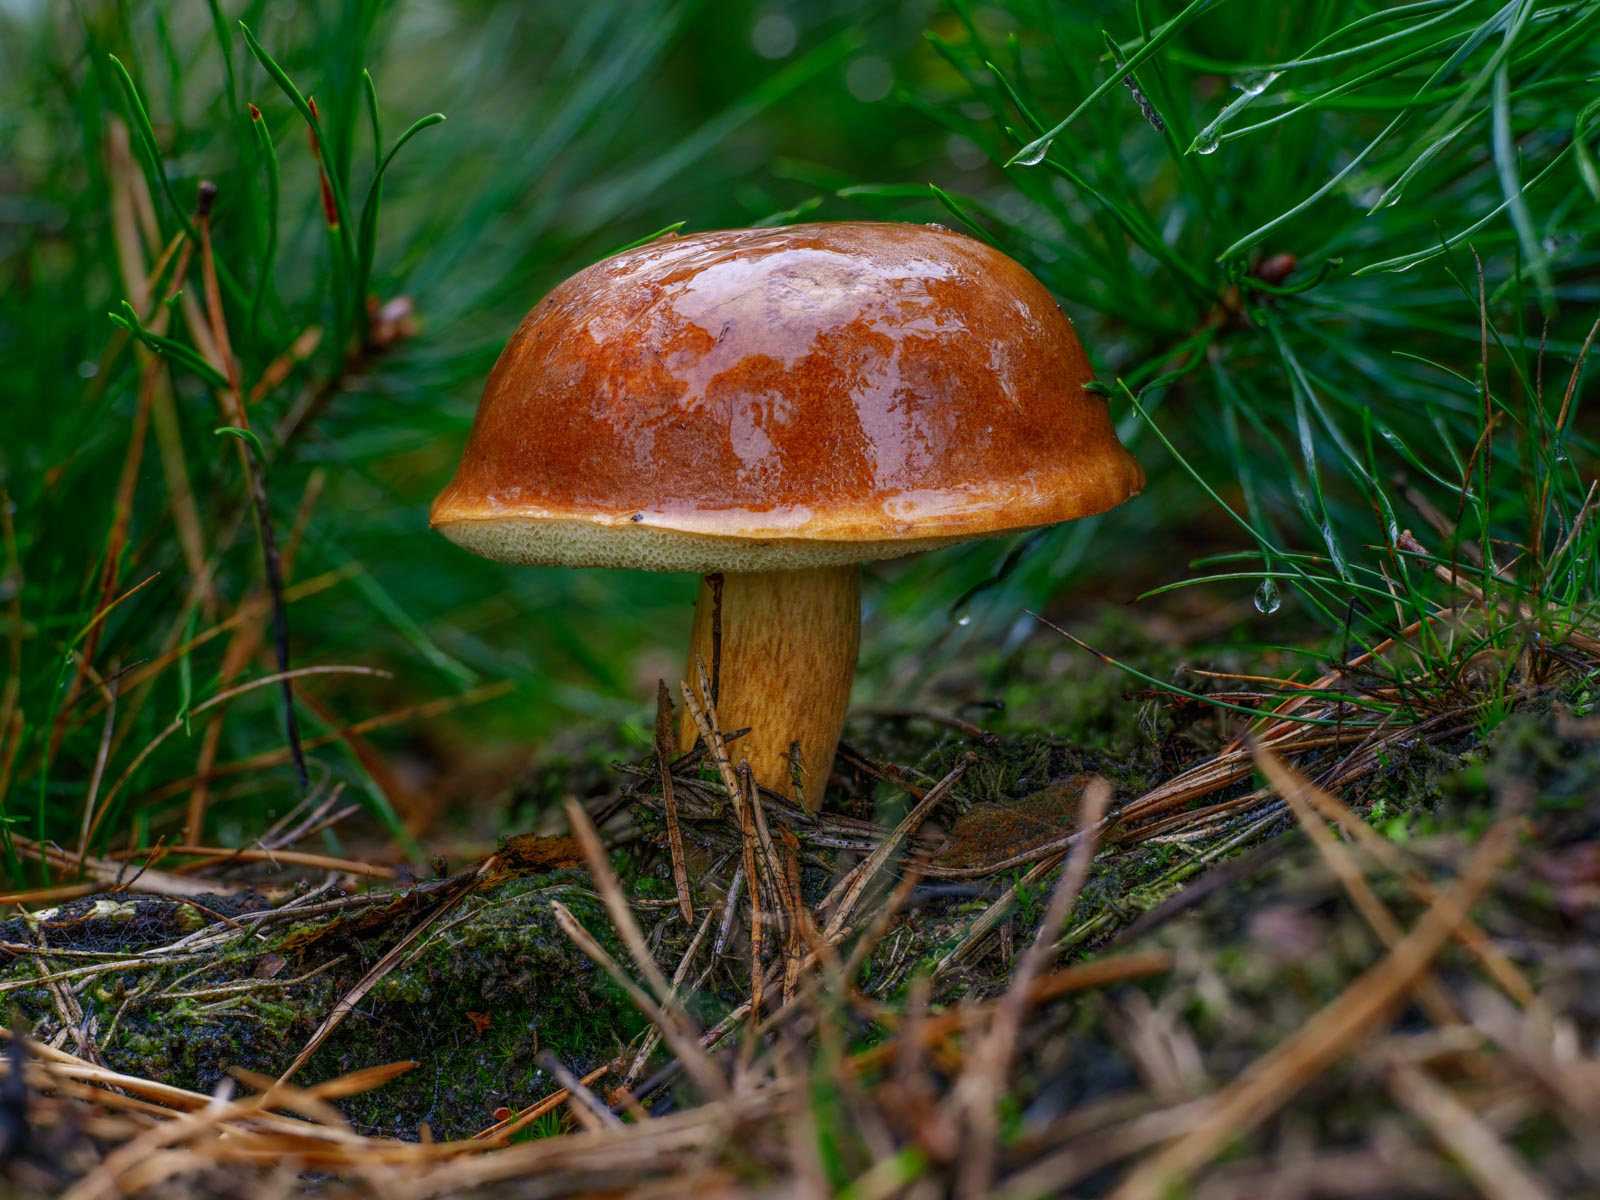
x=1033 y=154
x=936 y=225
x=1253 y=83
x=1206 y=141
x=964 y=619
x=1268 y=599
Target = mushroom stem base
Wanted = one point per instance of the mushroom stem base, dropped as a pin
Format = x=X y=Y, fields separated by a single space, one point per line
x=784 y=659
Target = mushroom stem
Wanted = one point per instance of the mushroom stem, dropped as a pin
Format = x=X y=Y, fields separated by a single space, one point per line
x=787 y=655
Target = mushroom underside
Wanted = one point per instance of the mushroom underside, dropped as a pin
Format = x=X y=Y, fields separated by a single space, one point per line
x=560 y=542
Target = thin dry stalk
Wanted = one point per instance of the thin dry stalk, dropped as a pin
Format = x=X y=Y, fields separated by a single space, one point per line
x=248 y=610
x=104 y=875
x=976 y=1095
x=858 y=879
x=381 y=968
x=150 y=379
x=1330 y=1035
x=1501 y=969
x=205 y=706
x=604 y=1161
x=756 y=888
x=294 y=858
x=653 y=1037
x=1295 y=789
x=130 y=198
x=1055 y=1173
x=669 y=802
x=65 y=1002
x=793 y=919
x=1587 y=642
x=98 y=774
x=1494 y=1167
x=103 y=1182
x=588 y=1108
x=50 y=895
x=1101 y=972
x=1545 y=1050
x=233 y=411
x=695 y=1060
x=705 y=720
x=403 y=797
x=1283 y=729
x=992 y=916
x=499 y=1134
x=617 y=907
x=674 y=1022
x=340 y=732
x=1585 y=511
x=221 y=1130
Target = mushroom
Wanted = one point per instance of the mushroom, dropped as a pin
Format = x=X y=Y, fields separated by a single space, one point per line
x=770 y=408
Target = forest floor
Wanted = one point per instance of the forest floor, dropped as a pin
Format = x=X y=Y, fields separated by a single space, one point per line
x=1304 y=957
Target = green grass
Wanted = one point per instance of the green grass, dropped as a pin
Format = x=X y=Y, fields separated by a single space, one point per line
x=1424 y=167
x=571 y=133
x=1430 y=168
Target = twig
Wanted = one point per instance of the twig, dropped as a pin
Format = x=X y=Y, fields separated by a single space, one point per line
x=705 y=721
x=99 y=773
x=669 y=802
x=298 y=858
x=653 y=1037
x=500 y=1132
x=605 y=880
x=1501 y=969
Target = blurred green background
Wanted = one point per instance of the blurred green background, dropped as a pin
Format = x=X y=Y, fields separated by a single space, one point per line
x=1353 y=135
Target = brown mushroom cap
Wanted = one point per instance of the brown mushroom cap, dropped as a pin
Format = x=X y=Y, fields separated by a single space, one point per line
x=761 y=399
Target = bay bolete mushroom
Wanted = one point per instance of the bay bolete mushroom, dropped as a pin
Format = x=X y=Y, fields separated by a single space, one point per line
x=769 y=408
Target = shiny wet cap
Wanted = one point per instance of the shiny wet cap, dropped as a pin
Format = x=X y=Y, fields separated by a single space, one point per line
x=763 y=399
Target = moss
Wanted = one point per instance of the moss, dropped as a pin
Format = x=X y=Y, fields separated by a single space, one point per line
x=476 y=1007
x=481 y=995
